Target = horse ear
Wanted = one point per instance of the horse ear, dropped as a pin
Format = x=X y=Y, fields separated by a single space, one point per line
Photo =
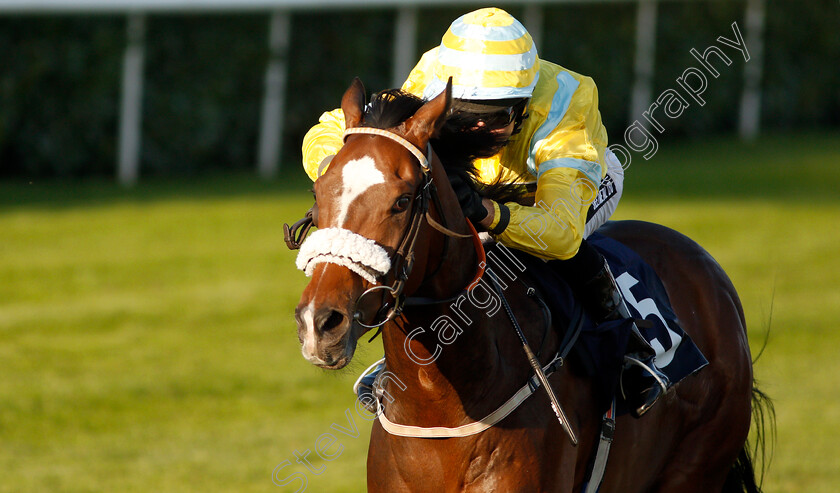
x=353 y=104
x=430 y=117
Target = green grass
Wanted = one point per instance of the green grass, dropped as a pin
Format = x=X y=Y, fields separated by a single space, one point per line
x=147 y=340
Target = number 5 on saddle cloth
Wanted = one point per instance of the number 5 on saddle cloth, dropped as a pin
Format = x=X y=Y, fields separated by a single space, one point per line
x=600 y=349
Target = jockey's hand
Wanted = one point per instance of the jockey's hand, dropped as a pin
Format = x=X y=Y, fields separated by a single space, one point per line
x=469 y=199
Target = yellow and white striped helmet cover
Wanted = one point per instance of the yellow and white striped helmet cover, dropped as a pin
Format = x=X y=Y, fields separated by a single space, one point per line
x=489 y=55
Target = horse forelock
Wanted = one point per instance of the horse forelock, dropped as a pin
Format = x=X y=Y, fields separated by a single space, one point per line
x=456 y=148
x=388 y=109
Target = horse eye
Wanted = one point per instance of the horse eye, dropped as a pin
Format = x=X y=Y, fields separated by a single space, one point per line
x=402 y=203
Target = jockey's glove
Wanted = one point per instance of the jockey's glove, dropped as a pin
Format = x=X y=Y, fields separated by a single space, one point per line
x=469 y=199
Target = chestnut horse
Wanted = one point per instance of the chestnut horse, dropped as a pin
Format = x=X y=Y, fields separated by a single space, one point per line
x=394 y=225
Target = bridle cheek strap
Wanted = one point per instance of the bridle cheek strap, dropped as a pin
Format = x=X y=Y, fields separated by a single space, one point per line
x=402 y=262
x=343 y=247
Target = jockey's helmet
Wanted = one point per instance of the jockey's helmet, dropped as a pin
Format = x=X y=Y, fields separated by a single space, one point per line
x=489 y=55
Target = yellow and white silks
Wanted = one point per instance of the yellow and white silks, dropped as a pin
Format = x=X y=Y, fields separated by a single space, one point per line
x=488 y=54
x=562 y=144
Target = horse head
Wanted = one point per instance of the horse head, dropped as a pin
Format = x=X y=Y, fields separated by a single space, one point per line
x=369 y=206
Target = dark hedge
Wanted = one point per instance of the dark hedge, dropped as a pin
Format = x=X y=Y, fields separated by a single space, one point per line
x=204 y=76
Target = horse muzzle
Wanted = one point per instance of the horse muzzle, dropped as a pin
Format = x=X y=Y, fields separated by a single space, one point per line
x=326 y=335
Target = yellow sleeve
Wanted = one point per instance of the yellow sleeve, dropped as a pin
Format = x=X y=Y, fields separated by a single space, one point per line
x=579 y=140
x=552 y=229
x=569 y=161
x=321 y=141
x=326 y=137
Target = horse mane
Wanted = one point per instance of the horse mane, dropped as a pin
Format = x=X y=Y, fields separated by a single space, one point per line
x=458 y=144
x=387 y=109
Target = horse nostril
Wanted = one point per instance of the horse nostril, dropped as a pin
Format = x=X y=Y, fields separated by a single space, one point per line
x=334 y=320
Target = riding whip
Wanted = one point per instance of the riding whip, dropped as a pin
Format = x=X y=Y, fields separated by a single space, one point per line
x=535 y=364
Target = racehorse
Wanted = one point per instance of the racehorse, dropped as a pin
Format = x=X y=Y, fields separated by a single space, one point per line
x=393 y=229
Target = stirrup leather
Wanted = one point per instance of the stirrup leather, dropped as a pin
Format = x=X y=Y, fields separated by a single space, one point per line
x=372 y=370
x=655 y=373
x=365 y=385
x=643 y=400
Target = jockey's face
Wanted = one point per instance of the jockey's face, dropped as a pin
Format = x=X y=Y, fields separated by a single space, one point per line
x=499 y=123
x=505 y=131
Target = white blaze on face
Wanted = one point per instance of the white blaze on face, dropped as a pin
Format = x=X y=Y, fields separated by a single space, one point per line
x=357 y=176
x=309 y=347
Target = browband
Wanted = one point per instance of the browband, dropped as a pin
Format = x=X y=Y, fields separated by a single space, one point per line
x=424 y=160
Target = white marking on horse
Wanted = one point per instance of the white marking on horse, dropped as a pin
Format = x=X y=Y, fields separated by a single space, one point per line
x=309 y=347
x=425 y=381
x=357 y=176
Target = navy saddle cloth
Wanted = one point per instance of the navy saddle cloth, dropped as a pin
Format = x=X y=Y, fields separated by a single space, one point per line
x=600 y=349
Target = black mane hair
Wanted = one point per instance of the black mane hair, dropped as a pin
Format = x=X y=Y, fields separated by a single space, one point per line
x=458 y=143
x=387 y=109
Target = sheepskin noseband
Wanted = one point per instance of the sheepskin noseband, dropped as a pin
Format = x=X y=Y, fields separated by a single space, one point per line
x=343 y=247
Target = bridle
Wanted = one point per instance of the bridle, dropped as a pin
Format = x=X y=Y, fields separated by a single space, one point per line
x=402 y=262
x=403 y=259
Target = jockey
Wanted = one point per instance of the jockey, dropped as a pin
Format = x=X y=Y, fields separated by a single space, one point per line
x=556 y=138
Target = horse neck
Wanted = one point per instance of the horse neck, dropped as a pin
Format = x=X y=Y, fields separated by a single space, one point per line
x=444 y=354
x=443 y=365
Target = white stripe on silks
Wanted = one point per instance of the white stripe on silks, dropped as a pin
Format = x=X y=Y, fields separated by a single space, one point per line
x=476 y=61
x=436 y=86
x=343 y=247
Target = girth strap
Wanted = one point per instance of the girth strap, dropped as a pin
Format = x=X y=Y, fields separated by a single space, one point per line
x=468 y=429
x=596 y=476
x=531 y=386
